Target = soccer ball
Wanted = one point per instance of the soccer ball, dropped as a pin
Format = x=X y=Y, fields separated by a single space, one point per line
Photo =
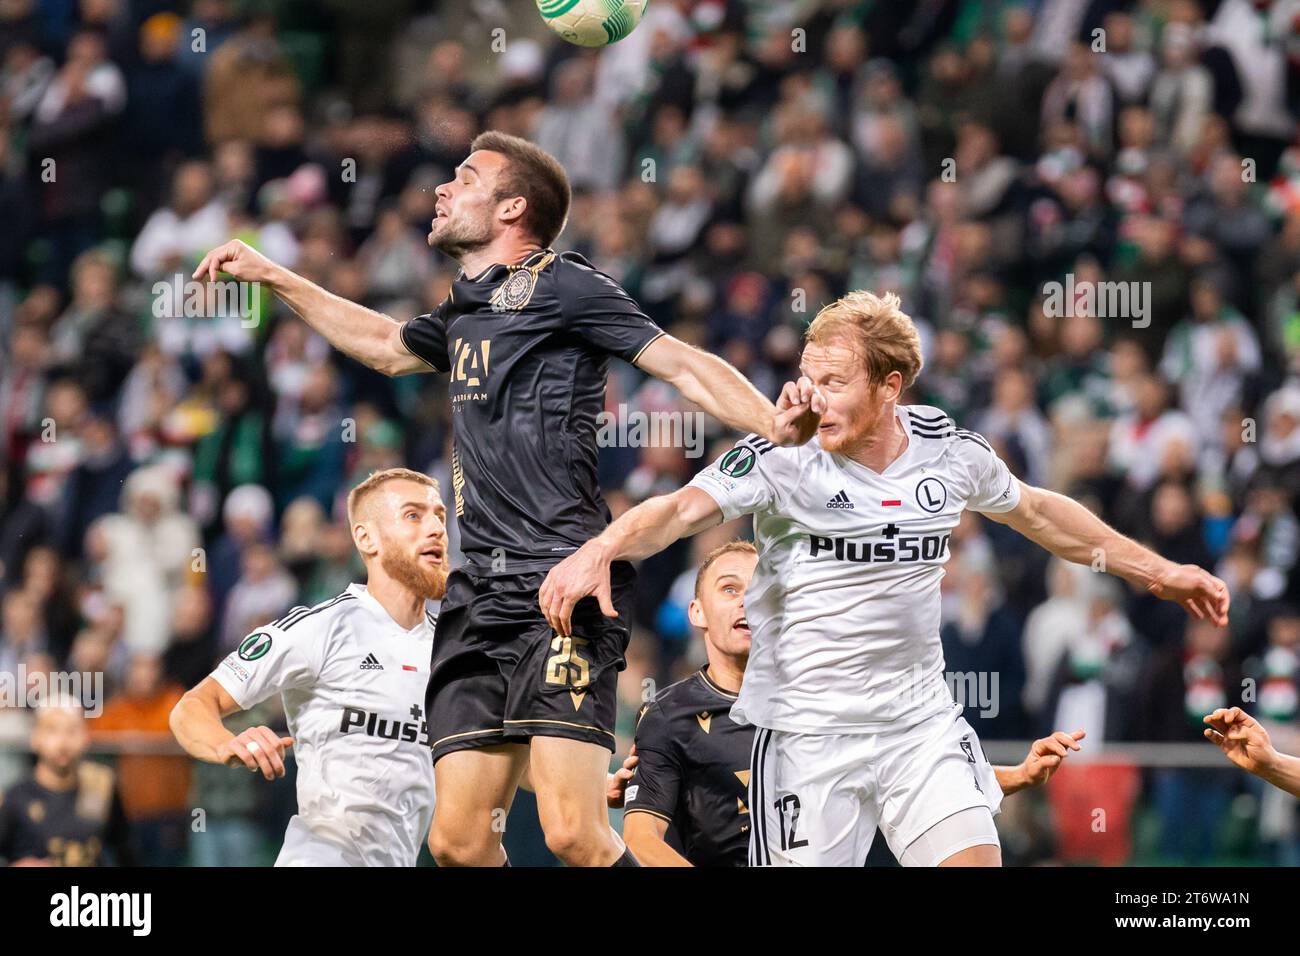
x=592 y=22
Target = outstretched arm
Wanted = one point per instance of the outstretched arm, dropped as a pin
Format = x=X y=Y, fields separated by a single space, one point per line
x=1245 y=742
x=640 y=532
x=718 y=388
x=1070 y=531
x=369 y=337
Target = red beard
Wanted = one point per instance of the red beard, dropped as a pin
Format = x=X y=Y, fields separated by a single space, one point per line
x=428 y=583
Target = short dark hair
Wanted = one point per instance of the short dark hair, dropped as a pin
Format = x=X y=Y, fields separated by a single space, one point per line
x=536 y=175
x=731 y=547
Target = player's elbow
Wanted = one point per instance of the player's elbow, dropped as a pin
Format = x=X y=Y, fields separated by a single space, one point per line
x=197 y=705
x=388 y=354
x=1031 y=502
x=1027 y=516
x=388 y=362
x=693 y=510
x=177 y=718
x=681 y=506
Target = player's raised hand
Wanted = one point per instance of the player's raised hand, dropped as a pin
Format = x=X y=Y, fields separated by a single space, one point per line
x=1241 y=737
x=1047 y=754
x=799 y=410
x=1200 y=593
x=616 y=785
x=258 y=748
x=237 y=259
x=581 y=574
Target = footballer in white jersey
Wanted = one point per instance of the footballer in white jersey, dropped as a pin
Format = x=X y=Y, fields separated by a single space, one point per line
x=856 y=727
x=352 y=673
x=844 y=603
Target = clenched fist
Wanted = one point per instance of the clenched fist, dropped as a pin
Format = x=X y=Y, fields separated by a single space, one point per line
x=258 y=748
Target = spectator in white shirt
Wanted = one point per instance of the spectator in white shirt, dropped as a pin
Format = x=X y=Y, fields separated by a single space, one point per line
x=182 y=231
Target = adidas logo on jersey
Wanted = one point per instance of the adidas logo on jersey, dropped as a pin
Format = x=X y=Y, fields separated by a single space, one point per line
x=371 y=663
x=840 y=501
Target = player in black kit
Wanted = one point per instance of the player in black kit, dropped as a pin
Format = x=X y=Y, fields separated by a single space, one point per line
x=685 y=802
x=526 y=335
x=67 y=813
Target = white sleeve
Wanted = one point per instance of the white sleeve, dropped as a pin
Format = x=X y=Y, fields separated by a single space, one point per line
x=152 y=243
x=270 y=660
x=741 y=481
x=994 y=489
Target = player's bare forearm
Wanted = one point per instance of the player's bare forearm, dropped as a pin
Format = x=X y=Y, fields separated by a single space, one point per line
x=656 y=523
x=367 y=336
x=1011 y=779
x=721 y=390
x=1282 y=771
x=1069 y=530
x=640 y=532
x=711 y=383
x=196 y=724
x=644 y=835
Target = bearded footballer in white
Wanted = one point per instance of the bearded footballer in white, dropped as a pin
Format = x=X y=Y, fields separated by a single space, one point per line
x=352 y=673
x=845 y=682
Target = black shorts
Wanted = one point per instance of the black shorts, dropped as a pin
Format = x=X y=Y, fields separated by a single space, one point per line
x=501 y=675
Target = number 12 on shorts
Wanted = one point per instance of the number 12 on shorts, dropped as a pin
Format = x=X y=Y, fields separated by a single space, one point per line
x=787 y=808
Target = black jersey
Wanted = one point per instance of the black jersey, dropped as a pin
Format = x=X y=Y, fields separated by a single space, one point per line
x=528 y=348
x=694 y=771
x=68 y=827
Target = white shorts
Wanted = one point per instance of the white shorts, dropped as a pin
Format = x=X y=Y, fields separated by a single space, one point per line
x=817 y=799
x=304 y=846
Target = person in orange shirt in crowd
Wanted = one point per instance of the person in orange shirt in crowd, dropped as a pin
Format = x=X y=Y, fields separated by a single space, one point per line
x=154 y=780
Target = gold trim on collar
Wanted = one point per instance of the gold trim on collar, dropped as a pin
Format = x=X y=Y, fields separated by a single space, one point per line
x=704 y=676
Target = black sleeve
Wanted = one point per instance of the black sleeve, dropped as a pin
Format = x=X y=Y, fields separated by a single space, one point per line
x=425 y=337
x=596 y=308
x=657 y=780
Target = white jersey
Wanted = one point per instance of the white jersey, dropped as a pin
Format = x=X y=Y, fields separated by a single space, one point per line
x=353 y=683
x=844 y=603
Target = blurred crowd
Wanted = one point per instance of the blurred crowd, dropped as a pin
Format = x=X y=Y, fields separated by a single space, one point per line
x=172 y=471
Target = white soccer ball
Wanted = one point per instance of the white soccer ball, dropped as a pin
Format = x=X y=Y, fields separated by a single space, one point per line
x=592 y=22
